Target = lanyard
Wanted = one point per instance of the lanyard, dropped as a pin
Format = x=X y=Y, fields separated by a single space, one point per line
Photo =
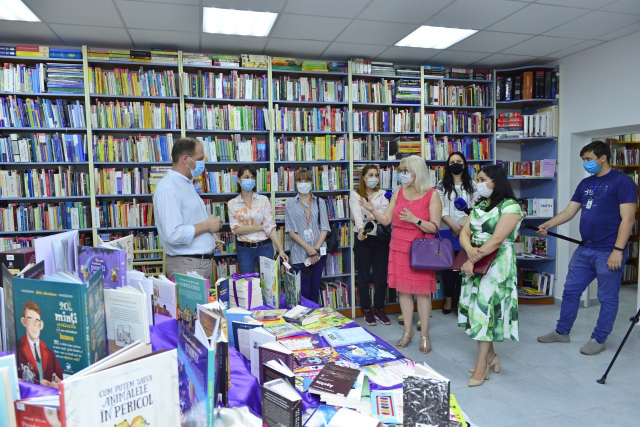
x=304 y=209
x=593 y=195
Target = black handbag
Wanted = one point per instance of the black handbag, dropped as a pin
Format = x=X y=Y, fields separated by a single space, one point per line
x=383 y=233
x=333 y=237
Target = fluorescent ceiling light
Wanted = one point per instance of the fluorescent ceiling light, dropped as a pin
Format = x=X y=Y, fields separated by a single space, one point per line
x=15 y=10
x=237 y=22
x=435 y=37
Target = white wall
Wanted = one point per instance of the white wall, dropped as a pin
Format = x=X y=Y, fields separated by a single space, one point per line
x=599 y=93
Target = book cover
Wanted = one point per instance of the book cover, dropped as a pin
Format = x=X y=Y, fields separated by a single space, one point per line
x=291 y=285
x=66 y=320
x=141 y=392
x=38 y=411
x=367 y=353
x=302 y=342
x=341 y=337
x=112 y=263
x=164 y=297
x=269 y=282
x=126 y=316
x=268 y=315
x=242 y=336
x=9 y=326
x=275 y=369
x=274 y=351
x=321 y=416
x=236 y=314
x=124 y=243
x=258 y=337
x=196 y=379
x=318 y=356
x=281 y=405
x=59 y=252
x=334 y=379
x=281 y=330
x=191 y=291
x=386 y=405
x=426 y=385
x=301 y=315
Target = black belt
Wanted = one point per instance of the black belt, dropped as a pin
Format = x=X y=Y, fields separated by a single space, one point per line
x=253 y=244
x=201 y=256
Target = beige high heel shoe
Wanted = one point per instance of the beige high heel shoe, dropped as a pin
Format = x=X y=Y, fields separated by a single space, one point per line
x=495 y=364
x=424 y=348
x=402 y=343
x=475 y=383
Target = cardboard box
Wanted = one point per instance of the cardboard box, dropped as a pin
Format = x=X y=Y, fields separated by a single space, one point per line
x=18 y=258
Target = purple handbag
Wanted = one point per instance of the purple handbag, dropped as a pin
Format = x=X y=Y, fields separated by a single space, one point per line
x=431 y=253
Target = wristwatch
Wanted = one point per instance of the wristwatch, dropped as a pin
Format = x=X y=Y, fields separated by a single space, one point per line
x=419 y=222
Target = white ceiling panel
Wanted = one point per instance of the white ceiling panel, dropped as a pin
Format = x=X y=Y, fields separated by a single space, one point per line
x=151 y=17
x=155 y=39
x=593 y=25
x=621 y=32
x=500 y=60
x=304 y=49
x=351 y=50
x=224 y=43
x=490 y=41
x=576 y=48
x=88 y=12
x=187 y=2
x=337 y=8
x=255 y=5
x=456 y=58
x=92 y=36
x=307 y=27
x=407 y=11
x=537 y=19
x=541 y=46
x=406 y=55
x=26 y=32
x=543 y=61
x=375 y=32
x=624 y=6
x=474 y=14
x=587 y=4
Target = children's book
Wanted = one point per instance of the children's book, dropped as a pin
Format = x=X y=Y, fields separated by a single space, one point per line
x=268 y=315
x=291 y=285
x=302 y=342
x=319 y=356
x=164 y=297
x=386 y=405
x=269 y=282
x=368 y=353
x=125 y=243
x=111 y=262
x=127 y=318
x=191 y=291
x=346 y=336
x=281 y=329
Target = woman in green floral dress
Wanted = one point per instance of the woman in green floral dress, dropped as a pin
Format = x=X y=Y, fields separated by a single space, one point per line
x=488 y=309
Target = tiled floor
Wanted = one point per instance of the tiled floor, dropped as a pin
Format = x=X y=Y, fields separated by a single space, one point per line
x=539 y=384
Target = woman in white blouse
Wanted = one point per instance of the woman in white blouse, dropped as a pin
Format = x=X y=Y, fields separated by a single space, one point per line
x=369 y=248
x=456 y=184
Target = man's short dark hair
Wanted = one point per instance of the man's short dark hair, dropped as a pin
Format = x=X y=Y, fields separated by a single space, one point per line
x=598 y=148
x=183 y=146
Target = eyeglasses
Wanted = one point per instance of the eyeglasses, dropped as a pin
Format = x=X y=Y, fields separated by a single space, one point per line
x=32 y=321
x=405 y=170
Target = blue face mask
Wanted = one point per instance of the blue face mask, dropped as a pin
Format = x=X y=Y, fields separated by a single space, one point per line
x=248 y=184
x=591 y=166
x=199 y=168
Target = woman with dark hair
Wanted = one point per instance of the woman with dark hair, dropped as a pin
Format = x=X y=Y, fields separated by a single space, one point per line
x=488 y=309
x=370 y=252
x=455 y=184
x=251 y=221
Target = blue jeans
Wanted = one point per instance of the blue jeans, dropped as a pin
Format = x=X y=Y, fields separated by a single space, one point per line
x=249 y=258
x=587 y=264
x=310 y=286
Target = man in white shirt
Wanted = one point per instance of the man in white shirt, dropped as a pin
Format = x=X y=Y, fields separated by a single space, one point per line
x=185 y=231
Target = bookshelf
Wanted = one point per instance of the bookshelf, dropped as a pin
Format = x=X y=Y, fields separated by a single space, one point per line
x=523 y=96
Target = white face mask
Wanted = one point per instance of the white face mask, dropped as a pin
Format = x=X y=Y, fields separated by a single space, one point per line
x=483 y=190
x=405 y=178
x=303 y=187
x=372 y=182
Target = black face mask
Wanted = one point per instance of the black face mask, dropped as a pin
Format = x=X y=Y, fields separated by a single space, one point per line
x=456 y=168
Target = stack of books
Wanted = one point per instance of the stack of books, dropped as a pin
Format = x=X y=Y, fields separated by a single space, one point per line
x=140 y=56
x=430 y=70
x=279 y=63
x=225 y=60
x=338 y=66
x=319 y=66
x=383 y=68
x=407 y=91
x=248 y=297
x=254 y=61
x=164 y=56
x=40 y=52
x=407 y=71
x=65 y=78
x=360 y=66
x=407 y=146
x=196 y=59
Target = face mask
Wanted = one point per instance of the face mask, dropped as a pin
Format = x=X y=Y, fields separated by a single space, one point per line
x=456 y=168
x=303 y=187
x=483 y=190
x=372 y=182
x=405 y=178
x=248 y=184
x=199 y=168
x=591 y=166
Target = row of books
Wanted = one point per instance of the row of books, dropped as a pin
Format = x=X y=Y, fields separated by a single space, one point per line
x=629 y=274
x=118 y=214
x=457 y=122
x=392 y=120
x=383 y=92
x=167 y=56
x=227 y=86
x=134 y=115
x=42 y=147
x=109 y=181
x=140 y=148
x=536 y=168
x=544 y=123
x=458 y=73
x=629 y=137
x=246 y=61
x=625 y=156
x=60 y=182
x=632 y=247
x=335 y=294
x=528 y=85
x=45 y=216
x=34 y=51
x=236 y=149
x=121 y=81
x=9 y=243
x=42 y=78
x=226 y=181
x=312 y=149
x=292 y=64
x=533 y=283
x=473 y=148
x=533 y=207
x=226 y=117
x=308 y=89
x=531 y=245
x=407 y=91
x=439 y=93
x=367 y=66
x=41 y=113
x=225 y=267
x=324 y=178
x=229 y=243
x=64 y=78
x=311 y=120
x=285 y=239
x=335 y=265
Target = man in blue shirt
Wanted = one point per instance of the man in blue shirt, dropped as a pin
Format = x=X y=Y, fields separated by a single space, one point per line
x=608 y=201
x=184 y=227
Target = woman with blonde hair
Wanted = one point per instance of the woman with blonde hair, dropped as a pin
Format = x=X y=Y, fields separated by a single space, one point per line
x=413 y=210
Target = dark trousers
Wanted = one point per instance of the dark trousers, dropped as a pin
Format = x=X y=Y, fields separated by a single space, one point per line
x=371 y=252
x=310 y=286
x=451 y=282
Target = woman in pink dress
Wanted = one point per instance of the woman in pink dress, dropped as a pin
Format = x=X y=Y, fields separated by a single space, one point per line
x=414 y=209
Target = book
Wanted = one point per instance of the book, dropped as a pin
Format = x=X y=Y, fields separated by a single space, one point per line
x=41 y=411
x=164 y=297
x=245 y=293
x=59 y=252
x=321 y=416
x=274 y=351
x=9 y=390
x=357 y=397
x=275 y=369
x=124 y=243
x=386 y=406
x=18 y=258
x=334 y=379
x=281 y=329
x=291 y=285
x=301 y=315
x=9 y=320
x=139 y=281
x=315 y=357
x=348 y=418
x=389 y=374
x=257 y=338
x=302 y=342
x=425 y=385
x=235 y=314
x=191 y=291
x=268 y=315
x=111 y=262
x=269 y=282
x=455 y=411
x=126 y=316
x=281 y=404
x=346 y=336
x=241 y=336
x=367 y=353
x=67 y=319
